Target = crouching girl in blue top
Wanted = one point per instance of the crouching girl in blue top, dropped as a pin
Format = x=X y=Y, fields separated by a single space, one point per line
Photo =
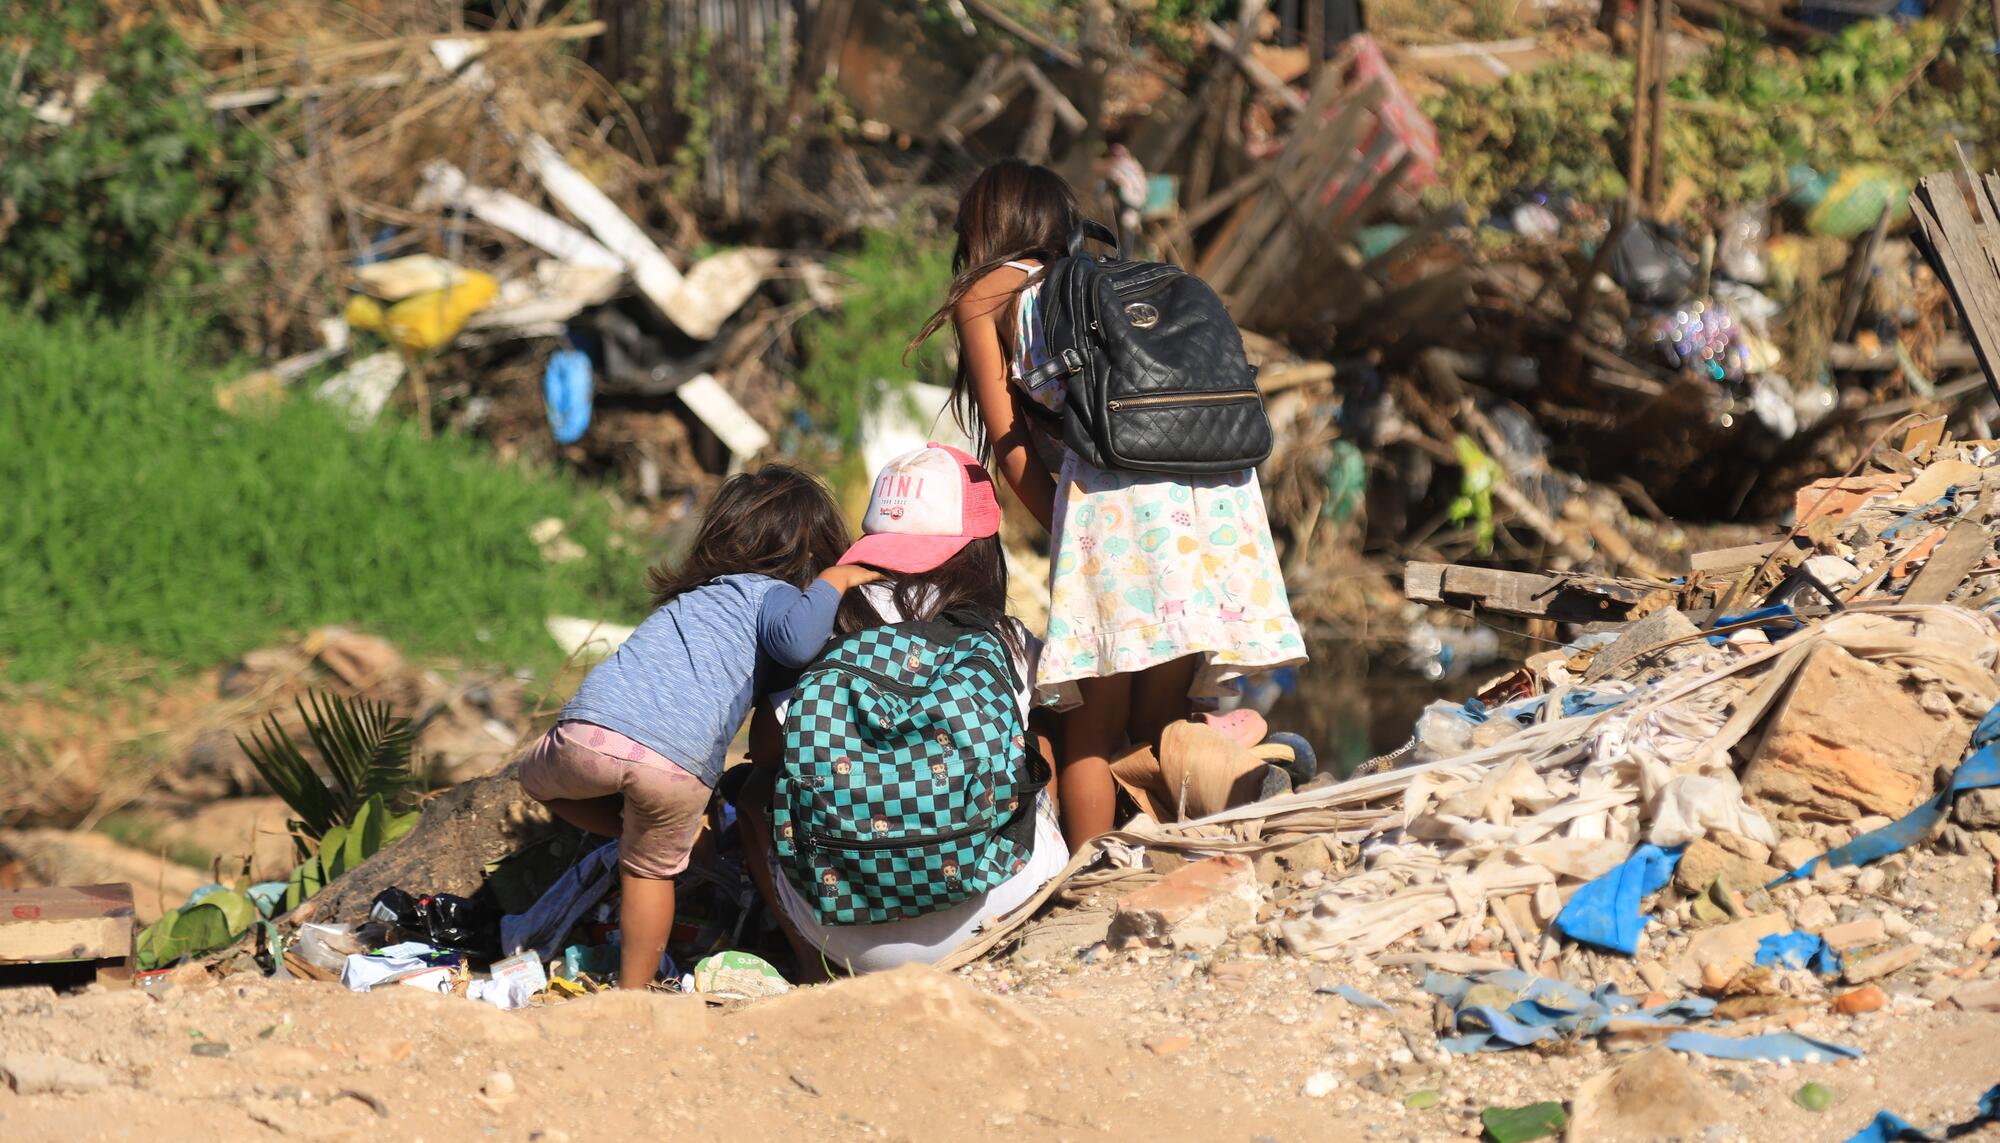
x=636 y=753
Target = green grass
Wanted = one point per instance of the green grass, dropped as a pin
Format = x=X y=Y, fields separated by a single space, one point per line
x=890 y=286
x=140 y=522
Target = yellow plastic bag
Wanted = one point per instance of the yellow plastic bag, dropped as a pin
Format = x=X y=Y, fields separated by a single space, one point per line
x=427 y=320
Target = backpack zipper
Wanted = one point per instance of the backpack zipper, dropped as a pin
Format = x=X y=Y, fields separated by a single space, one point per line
x=1123 y=403
x=818 y=841
x=901 y=687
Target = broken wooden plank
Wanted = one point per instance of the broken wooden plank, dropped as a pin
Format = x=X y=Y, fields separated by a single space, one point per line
x=739 y=432
x=446 y=185
x=655 y=276
x=1722 y=560
x=78 y=923
x=1239 y=53
x=1959 y=247
x=1963 y=548
x=1573 y=599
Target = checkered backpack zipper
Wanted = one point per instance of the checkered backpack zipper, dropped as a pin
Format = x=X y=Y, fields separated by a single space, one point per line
x=908 y=782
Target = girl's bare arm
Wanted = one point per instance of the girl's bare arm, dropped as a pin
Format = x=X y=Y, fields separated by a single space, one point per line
x=977 y=319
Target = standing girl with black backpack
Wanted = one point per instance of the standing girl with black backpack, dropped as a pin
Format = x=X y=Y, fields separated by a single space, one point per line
x=1112 y=397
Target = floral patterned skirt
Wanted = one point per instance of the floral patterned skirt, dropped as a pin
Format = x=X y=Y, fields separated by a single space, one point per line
x=1144 y=570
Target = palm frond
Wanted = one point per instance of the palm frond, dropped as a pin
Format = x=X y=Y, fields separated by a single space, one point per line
x=366 y=751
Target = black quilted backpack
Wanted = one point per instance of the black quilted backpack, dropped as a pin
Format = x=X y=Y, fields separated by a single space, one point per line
x=1157 y=378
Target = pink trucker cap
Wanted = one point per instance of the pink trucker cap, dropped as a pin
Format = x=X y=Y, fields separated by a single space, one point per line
x=927 y=505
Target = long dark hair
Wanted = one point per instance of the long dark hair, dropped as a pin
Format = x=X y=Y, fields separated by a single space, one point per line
x=1013 y=211
x=778 y=521
x=974 y=579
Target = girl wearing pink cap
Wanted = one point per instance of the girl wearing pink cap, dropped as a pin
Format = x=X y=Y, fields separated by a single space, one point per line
x=1161 y=589
x=932 y=529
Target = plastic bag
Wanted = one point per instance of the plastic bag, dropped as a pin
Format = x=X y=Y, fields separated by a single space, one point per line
x=450 y=922
x=1739 y=256
x=1651 y=270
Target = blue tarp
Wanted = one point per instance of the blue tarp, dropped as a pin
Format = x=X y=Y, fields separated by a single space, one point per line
x=1495 y=1011
x=1605 y=912
x=1887 y=1126
x=1776 y=1047
x=1980 y=769
x=1798 y=950
x=1356 y=997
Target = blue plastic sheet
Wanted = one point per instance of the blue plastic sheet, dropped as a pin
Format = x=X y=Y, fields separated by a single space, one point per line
x=1356 y=997
x=1798 y=950
x=1605 y=912
x=1537 y=1008
x=1777 y=1047
x=566 y=388
x=1980 y=769
x=1888 y=1127
x=1778 y=620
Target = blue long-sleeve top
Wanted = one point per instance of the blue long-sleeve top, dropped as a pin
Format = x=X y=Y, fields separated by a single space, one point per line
x=685 y=680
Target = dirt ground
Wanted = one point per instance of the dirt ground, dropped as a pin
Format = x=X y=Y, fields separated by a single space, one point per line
x=1057 y=1039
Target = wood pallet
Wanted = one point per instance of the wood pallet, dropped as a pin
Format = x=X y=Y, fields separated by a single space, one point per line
x=1565 y=598
x=1963 y=250
x=87 y=927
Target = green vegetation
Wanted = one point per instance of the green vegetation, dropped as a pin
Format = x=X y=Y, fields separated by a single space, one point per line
x=141 y=519
x=112 y=191
x=366 y=751
x=1742 y=117
x=893 y=283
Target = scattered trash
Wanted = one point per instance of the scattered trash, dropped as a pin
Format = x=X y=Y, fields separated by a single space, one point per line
x=1887 y=1127
x=1520 y=1124
x=1813 y=1096
x=738 y=976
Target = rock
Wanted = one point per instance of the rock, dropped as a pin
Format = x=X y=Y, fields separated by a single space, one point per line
x=31 y=1073
x=1633 y=652
x=1655 y=1094
x=1169 y=1045
x=1654 y=974
x=1867 y=998
x=1742 y=847
x=1851 y=740
x=1855 y=934
x=1794 y=852
x=1978 y=809
x=1319 y=1085
x=1882 y=964
x=1896 y=924
x=1194 y=906
x=1813 y=914
x=1982 y=997
x=1703 y=861
x=499 y=1087
x=361 y=661
x=1294 y=862
x=1869 y=882
x=1940 y=989
x=1982 y=935
x=1729 y=949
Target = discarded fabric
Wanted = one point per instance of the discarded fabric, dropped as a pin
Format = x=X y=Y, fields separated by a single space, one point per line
x=1887 y=1126
x=1582 y=703
x=1520 y=1124
x=1605 y=912
x=1980 y=769
x=541 y=929
x=1772 y=1046
x=1798 y=950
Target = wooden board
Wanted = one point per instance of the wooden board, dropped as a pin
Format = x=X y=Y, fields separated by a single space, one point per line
x=1731 y=559
x=1963 y=548
x=1571 y=599
x=73 y=923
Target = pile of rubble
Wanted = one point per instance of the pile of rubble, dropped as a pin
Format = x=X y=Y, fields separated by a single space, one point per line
x=1709 y=815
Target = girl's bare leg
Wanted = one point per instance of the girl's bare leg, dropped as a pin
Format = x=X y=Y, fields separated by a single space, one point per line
x=1160 y=697
x=645 y=918
x=1092 y=734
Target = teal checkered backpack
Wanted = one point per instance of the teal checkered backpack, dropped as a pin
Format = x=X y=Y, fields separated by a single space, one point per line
x=909 y=782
